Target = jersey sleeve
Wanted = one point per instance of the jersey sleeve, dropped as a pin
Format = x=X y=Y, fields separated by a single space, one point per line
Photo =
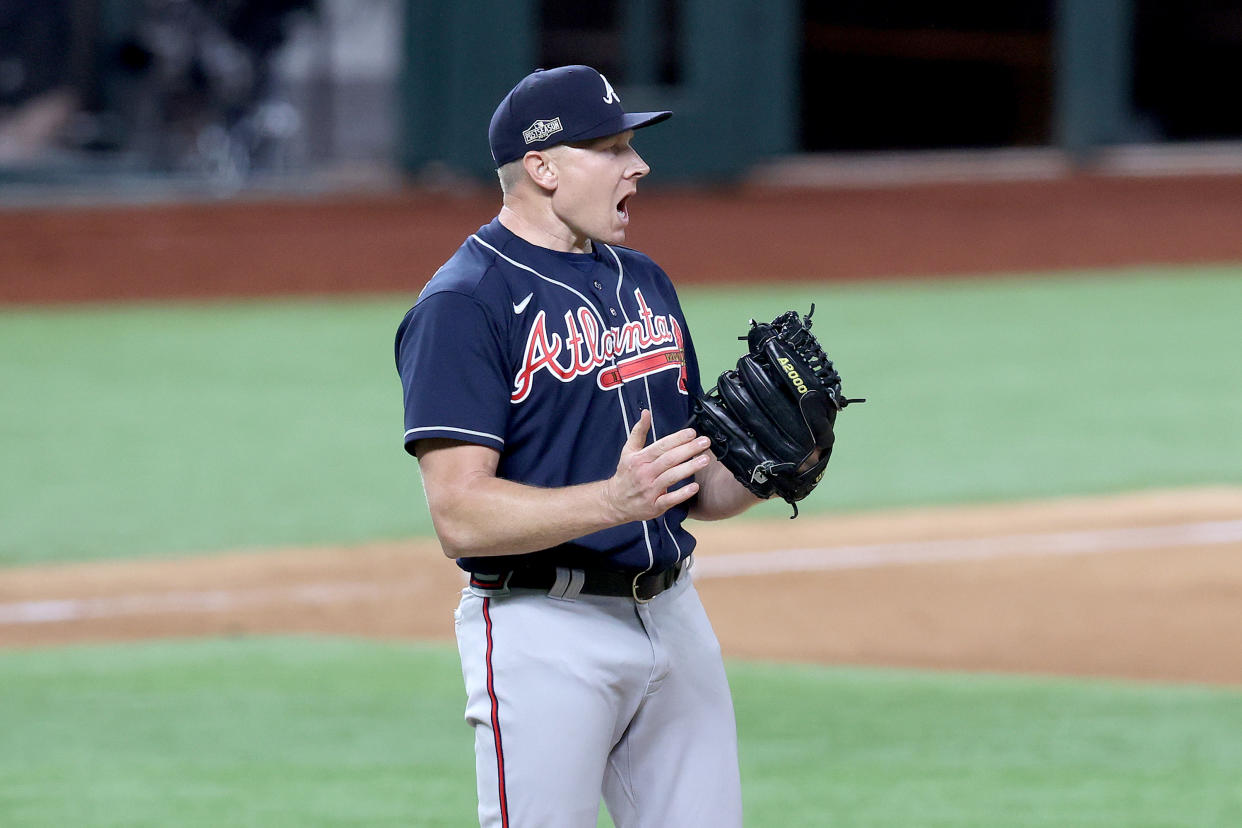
x=454 y=372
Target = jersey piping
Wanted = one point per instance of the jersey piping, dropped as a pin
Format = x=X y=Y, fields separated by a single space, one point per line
x=647 y=388
x=457 y=430
x=529 y=269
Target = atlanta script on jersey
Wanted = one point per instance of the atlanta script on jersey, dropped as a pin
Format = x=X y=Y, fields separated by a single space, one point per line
x=549 y=358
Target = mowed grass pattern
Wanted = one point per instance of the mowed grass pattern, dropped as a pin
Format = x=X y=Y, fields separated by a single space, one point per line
x=145 y=430
x=334 y=732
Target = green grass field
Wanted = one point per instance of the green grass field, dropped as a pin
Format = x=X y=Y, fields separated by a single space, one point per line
x=140 y=430
x=331 y=732
x=189 y=428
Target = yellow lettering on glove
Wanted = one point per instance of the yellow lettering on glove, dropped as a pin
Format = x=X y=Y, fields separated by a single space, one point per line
x=793 y=374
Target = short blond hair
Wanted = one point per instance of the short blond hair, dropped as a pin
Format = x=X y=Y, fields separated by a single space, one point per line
x=510 y=174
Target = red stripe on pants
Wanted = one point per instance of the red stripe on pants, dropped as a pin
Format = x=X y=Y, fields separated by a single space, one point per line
x=491 y=694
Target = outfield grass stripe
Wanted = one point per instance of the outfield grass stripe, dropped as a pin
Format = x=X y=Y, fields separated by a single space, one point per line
x=862 y=556
x=859 y=556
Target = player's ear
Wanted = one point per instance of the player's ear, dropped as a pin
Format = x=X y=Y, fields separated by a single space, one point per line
x=541 y=167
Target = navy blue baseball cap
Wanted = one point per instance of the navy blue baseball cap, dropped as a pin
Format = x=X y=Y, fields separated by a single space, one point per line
x=559 y=106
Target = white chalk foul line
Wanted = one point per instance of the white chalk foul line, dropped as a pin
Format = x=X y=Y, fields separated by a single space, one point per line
x=197 y=601
x=861 y=556
x=1084 y=542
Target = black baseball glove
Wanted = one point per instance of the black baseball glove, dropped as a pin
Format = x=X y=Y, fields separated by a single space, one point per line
x=770 y=420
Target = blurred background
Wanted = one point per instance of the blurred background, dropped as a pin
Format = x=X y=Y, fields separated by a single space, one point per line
x=223 y=95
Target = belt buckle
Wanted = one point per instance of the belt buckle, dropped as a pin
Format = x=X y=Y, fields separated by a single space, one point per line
x=664 y=580
x=638 y=599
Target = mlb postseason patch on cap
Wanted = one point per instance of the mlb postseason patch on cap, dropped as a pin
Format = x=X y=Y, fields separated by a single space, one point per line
x=541 y=130
x=560 y=106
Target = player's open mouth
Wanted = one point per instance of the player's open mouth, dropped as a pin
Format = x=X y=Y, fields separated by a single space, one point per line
x=623 y=208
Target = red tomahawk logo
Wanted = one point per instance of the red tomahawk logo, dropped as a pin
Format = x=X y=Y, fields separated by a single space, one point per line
x=640 y=366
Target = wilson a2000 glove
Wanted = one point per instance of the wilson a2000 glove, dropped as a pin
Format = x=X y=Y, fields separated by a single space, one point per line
x=771 y=419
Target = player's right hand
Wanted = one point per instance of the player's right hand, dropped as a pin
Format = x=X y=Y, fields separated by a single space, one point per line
x=639 y=490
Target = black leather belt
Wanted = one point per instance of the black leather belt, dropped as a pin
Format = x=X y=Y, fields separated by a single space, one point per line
x=643 y=586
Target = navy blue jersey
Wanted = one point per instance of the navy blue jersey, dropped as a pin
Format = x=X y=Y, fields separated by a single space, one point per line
x=549 y=358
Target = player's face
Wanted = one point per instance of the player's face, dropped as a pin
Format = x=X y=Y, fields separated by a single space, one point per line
x=594 y=183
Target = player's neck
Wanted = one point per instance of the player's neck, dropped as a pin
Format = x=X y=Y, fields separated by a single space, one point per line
x=542 y=230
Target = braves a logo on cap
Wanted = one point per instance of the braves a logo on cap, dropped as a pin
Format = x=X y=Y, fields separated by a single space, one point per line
x=609 y=95
x=542 y=130
x=586 y=347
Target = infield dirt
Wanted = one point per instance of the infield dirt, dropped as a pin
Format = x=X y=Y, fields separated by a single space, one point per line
x=1141 y=611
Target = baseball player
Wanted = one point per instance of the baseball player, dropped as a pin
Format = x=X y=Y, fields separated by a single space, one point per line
x=548 y=373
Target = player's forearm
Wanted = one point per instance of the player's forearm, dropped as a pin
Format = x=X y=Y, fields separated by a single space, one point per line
x=491 y=516
x=478 y=514
x=720 y=494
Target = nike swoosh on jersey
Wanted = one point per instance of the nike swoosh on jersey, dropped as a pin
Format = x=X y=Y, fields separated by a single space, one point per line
x=518 y=307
